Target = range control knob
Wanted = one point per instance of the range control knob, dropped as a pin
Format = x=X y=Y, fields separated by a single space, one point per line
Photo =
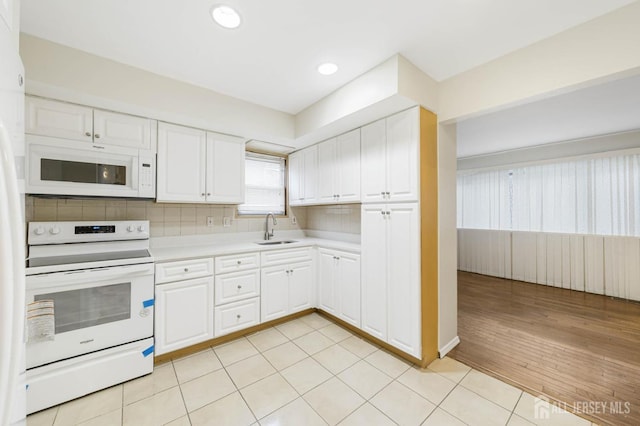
x=141 y=228
x=39 y=230
x=54 y=231
x=131 y=228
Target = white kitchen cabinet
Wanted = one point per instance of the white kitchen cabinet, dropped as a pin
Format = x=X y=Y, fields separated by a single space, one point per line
x=184 y=314
x=391 y=274
x=199 y=167
x=236 y=316
x=390 y=158
x=274 y=283
x=286 y=289
x=63 y=120
x=237 y=292
x=225 y=169
x=339 y=169
x=182 y=164
x=339 y=284
x=303 y=177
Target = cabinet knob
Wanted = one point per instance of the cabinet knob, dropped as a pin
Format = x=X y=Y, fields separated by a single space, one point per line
x=238 y=316
x=97 y=136
x=239 y=262
x=382 y=193
x=388 y=213
x=88 y=134
x=239 y=286
x=388 y=193
x=186 y=269
x=20 y=80
x=208 y=194
x=202 y=195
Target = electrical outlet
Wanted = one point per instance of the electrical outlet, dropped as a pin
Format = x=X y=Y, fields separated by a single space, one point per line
x=294 y=221
x=209 y=220
x=226 y=221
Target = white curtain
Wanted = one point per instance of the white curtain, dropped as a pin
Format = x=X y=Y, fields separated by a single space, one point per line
x=598 y=195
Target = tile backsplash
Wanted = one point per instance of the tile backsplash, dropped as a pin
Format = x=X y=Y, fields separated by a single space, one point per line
x=190 y=219
x=334 y=218
x=165 y=219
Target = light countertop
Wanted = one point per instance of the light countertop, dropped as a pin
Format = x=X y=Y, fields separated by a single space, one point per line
x=190 y=247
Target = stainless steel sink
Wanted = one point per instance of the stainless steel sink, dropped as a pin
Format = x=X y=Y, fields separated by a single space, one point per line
x=274 y=243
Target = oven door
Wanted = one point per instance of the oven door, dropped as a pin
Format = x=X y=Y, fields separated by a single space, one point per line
x=57 y=166
x=93 y=309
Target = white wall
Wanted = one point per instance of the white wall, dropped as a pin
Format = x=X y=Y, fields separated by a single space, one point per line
x=64 y=73
x=596 y=51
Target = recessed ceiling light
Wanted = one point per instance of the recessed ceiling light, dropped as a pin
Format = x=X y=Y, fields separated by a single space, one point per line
x=225 y=16
x=327 y=68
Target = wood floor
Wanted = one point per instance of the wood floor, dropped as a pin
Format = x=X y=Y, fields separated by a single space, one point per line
x=571 y=346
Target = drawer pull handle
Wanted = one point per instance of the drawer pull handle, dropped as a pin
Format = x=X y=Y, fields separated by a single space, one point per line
x=238 y=316
x=186 y=269
x=239 y=262
x=239 y=286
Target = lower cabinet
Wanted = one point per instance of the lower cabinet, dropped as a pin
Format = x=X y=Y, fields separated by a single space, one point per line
x=339 y=284
x=286 y=289
x=237 y=295
x=184 y=314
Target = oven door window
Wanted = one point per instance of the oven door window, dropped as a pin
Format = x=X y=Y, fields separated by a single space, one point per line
x=88 y=307
x=76 y=171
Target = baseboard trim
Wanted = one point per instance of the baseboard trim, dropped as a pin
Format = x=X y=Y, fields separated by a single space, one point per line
x=447 y=348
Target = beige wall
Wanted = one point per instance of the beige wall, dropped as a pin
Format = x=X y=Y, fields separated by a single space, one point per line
x=598 y=50
x=165 y=219
x=60 y=72
x=447 y=236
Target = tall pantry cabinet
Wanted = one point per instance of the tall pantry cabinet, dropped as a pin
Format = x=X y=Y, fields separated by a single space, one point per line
x=399 y=232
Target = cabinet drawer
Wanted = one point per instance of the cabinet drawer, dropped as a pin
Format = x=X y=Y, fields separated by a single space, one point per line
x=236 y=316
x=276 y=257
x=237 y=286
x=237 y=262
x=183 y=270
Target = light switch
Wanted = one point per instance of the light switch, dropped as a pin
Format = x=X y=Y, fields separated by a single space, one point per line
x=226 y=221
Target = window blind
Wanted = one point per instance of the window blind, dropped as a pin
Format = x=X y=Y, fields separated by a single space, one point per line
x=264 y=185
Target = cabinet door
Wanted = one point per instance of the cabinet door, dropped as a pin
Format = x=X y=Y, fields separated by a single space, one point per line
x=348 y=167
x=327 y=170
x=295 y=178
x=348 y=287
x=310 y=175
x=373 y=165
x=274 y=291
x=181 y=164
x=374 y=270
x=184 y=314
x=301 y=286
x=403 y=134
x=58 y=119
x=225 y=169
x=327 y=271
x=110 y=128
x=403 y=294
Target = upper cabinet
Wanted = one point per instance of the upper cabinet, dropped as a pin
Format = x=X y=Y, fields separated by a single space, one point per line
x=303 y=177
x=390 y=158
x=69 y=121
x=195 y=166
x=339 y=169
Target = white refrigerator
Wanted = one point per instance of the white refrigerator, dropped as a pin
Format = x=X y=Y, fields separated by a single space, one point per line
x=12 y=238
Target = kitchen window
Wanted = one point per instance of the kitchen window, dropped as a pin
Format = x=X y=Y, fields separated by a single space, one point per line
x=264 y=185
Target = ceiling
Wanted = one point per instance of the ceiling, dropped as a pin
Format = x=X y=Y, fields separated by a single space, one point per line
x=598 y=110
x=271 y=59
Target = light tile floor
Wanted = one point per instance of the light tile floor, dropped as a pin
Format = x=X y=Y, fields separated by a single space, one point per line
x=308 y=371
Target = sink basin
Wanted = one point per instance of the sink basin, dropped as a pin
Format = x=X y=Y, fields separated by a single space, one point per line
x=275 y=243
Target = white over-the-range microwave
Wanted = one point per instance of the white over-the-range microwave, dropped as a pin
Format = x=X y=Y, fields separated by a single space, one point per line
x=65 y=167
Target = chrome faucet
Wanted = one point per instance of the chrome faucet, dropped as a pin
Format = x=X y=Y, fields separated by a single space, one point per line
x=267 y=234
